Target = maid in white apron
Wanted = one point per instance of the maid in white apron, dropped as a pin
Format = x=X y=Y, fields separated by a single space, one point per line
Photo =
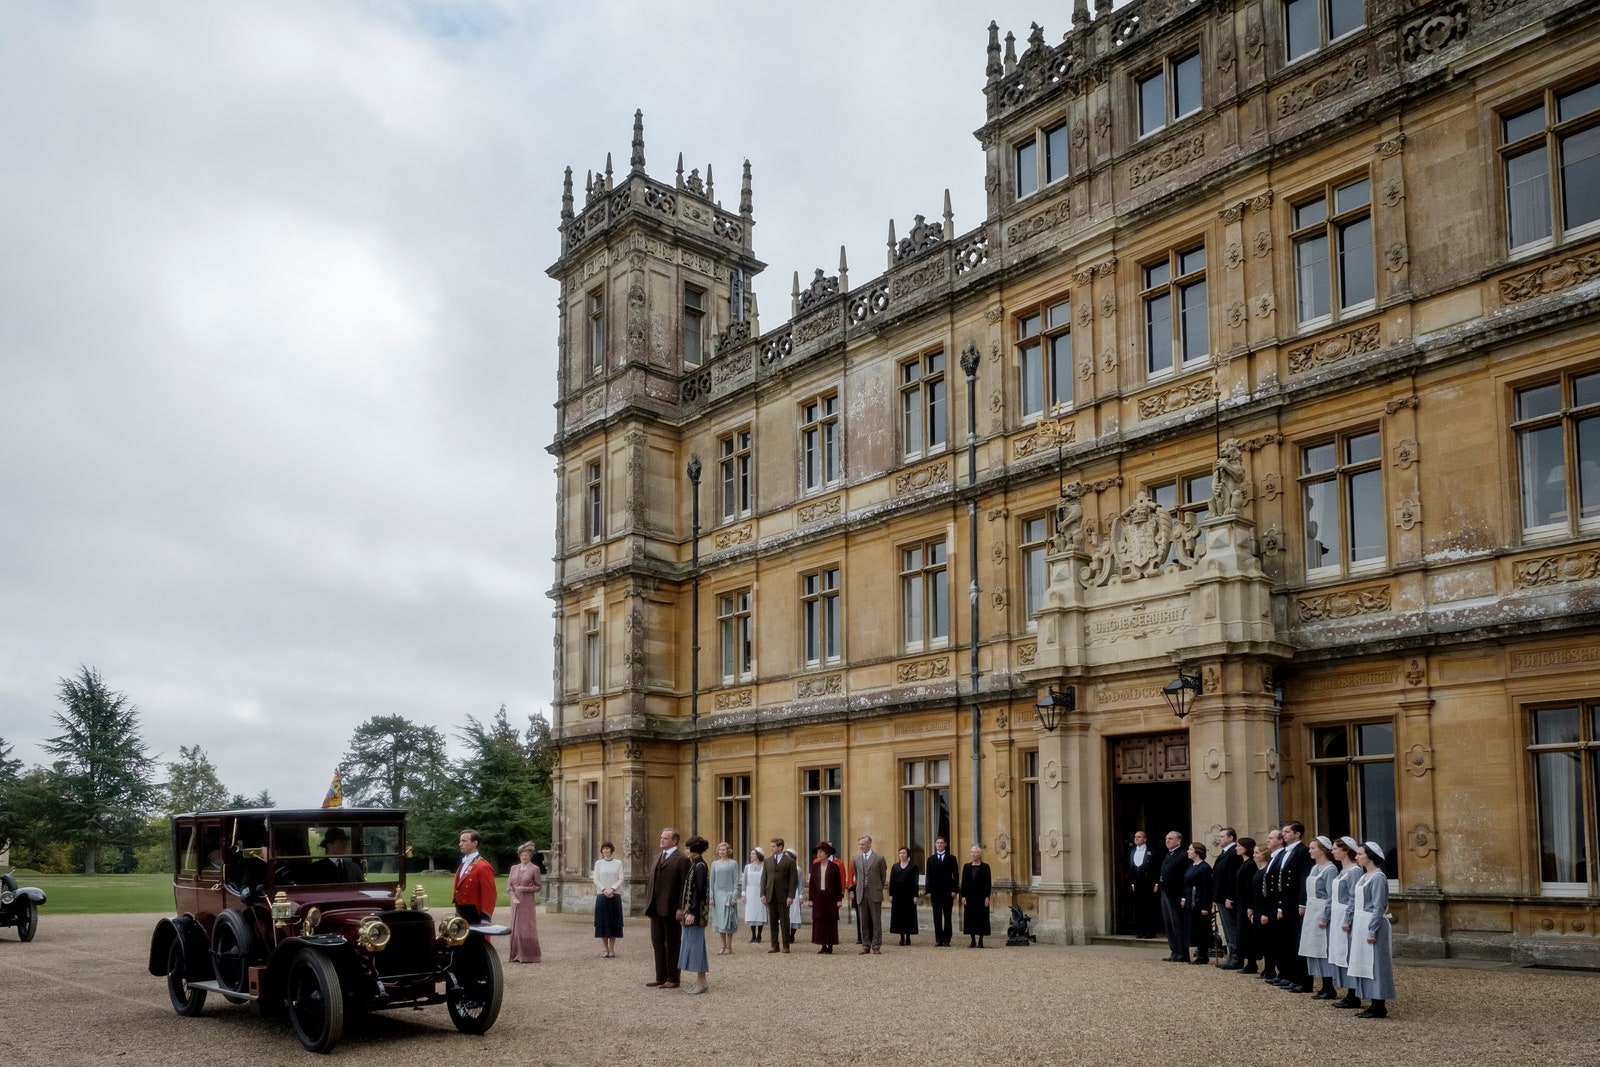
x=1344 y=896
x=1316 y=911
x=1371 y=959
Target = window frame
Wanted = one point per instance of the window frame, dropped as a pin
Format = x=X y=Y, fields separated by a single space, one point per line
x=822 y=802
x=736 y=473
x=1041 y=151
x=1342 y=473
x=919 y=803
x=1548 y=141
x=734 y=812
x=1043 y=344
x=1175 y=284
x=593 y=680
x=1333 y=228
x=594 y=514
x=1586 y=750
x=1570 y=418
x=1184 y=496
x=822 y=616
x=1168 y=72
x=591 y=822
x=694 y=326
x=821 y=439
x=924 y=403
x=1032 y=813
x=1352 y=761
x=595 y=308
x=1033 y=552
x=924 y=585
x=736 y=635
x=1325 y=26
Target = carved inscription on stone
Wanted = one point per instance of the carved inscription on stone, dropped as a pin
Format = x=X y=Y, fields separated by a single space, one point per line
x=1137 y=624
x=1340 y=346
x=1555 y=657
x=1343 y=604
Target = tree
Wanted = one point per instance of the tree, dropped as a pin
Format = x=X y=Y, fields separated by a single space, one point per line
x=502 y=798
x=262 y=799
x=390 y=761
x=10 y=775
x=192 y=783
x=103 y=775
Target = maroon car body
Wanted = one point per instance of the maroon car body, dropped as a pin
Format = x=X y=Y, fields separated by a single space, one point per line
x=306 y=912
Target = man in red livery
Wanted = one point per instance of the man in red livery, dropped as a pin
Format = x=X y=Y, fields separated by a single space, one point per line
x=474 y=893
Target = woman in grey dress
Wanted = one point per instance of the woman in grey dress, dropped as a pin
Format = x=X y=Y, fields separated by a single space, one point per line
x=1315 y=913
x=1371 y=962
x=724 y=892
x=1344 y=898
x=696 y=905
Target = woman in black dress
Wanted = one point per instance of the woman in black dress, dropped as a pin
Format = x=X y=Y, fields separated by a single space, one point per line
x=976 y=883
x=1196 y=903
x=903 y=897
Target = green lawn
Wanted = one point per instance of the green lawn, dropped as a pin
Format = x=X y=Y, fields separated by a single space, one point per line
x=77 y=894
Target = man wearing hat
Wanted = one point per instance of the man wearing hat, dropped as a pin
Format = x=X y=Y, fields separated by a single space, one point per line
x=336 y=843
x=825 y=890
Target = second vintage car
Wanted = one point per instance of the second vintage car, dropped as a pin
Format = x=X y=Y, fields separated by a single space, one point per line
x=306 y=913
x=19 y=907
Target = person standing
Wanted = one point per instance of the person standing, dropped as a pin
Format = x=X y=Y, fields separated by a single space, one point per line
x=1267 y=915
x=944 y=877
x=903 y=890
x=1292 y=875
x=825 y=890
x=1222 y=877
x=1196 y=904
x=694 y=907
x=780 y=884
x=755 y=911
x=474 y=892
x=1315 y=915
x=607 y=900
x=663 y=897
x=1240 y=894
x=1344 y=898
x=1256 y=908
x=871 y=872
x=1371 y=962
x=1145 y=882
x=976 y=884
x=524 y=883
x=724 y=891
x=1173 y=866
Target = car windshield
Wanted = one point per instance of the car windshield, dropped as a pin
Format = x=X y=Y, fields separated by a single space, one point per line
x=334 y=853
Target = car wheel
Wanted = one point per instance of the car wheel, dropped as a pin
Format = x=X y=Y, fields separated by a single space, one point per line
x=231 y=950
x=186 y=1000
x=475 y=1001
x=28 y=921
x=315 y=1002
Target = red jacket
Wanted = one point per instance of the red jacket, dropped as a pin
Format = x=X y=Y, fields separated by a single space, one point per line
x=475 y=885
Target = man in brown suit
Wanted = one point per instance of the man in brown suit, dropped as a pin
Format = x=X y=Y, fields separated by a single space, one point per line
x=871 y=871
x=663 y=893
x=780 y=883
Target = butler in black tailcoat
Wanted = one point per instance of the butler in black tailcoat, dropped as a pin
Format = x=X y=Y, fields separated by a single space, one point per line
x=1144 y=868
x=943 y=878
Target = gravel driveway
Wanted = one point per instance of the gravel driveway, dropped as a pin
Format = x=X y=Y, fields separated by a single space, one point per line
x=80 y=994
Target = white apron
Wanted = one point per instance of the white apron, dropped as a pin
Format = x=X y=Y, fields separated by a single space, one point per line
x=1314 y=938
x=1338 y=939
x=1361 y=960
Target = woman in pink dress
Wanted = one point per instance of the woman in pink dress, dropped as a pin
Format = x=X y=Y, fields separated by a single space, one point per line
x=524 y=883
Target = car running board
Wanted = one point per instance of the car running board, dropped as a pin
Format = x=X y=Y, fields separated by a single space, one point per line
x=218 y=987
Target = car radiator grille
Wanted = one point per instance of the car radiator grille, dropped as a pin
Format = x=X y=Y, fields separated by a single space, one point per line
x=410 y=948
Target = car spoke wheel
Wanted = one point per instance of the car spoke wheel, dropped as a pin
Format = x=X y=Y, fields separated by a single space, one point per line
x=230 y=951
x=475 y=1002
x=186 y=1000
x=28 y=921
x=315 y=1002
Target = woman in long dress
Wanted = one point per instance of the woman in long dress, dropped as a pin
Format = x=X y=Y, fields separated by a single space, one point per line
x=1344 y=898
x=1257 y=908
x=1316 y=912
x=903 y=890
x=1371 y=961
x=1196 y=904
x=608 y=899
x=976 y=884
x=724 y=891
x=825 y=890
x=1245 y=847
x=523 y=881
x=696 y=906
x=755 y=912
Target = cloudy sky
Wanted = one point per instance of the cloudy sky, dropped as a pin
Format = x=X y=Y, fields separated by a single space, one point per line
x=276 y=341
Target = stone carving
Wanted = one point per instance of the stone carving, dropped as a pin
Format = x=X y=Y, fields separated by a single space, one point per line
x=1402 y=402
x=1001 y=512
x=826 y=686
x=820 y=289
x=1233 y=255
x=1424 y=839
x=1027 y=654
x=1108 y=305
x=1343 y=604
x=589 y=709
x=820 y=509
x=743 y=698
x=1357 y=342
x=1047 y=434
x=867 y=302
x=930 y=273
x=694 y=387
x=994 y=315
x=1414 y=673
x=1551 y=278
x=922 y=478
x=923 y=670
x=1002 y=784
x=594 y=557
x=1140 y=539
x=1266 y=303
x=1002 y=843
x=1050 y=841
x=1390 y=146
x=1228 y=478
x=818 y=325
x=1231 y=213
x=1177 y=398
x=1328 y=84
x=1050 y=774
x=1068 y=521
x=1225 y=54
x=1552 y=570
x=1237 y=314
x=1085 y=368
x=778 y=348
x=1085 y=312
x=1042 y=222
x=923 y=236
x=1271 y=541
x=1396 y=257
x=1407 y=514
x=727 y=228
x=1494 y=7
x=1170 y=158
x=737 y=535
x=1262 y=245
x=1270 y=487
x=973 y=252
x=1434 y=32
x=1212 y=762
x=1407 y=453
x=633 y=750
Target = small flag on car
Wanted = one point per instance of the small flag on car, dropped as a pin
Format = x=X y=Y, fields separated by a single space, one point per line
x=335 y=797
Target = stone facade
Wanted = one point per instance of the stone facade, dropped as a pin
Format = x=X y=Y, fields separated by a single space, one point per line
x=1263 y=366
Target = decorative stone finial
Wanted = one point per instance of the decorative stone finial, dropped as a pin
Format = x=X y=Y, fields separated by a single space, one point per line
x=1011 y=52
x=680 y=170
x=891 y=243
x=636 y=160
x=1101 y=6
x=1036 y=38
x=994 y=70
x=711 y=185
x=949 y=216
x=566 y=195
x=844 y=272
x=608 y=170
x=744 y=194
x=1080 y=12
x=794 y=297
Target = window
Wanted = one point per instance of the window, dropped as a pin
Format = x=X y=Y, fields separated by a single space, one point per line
x=1052 y=143
x=1552 y=164
x=733 y=452
x=591 y=652
x=1044 y=358
x=819 y=607
x=597 y=331
x=1310 y=24
x=1176 y=283
x=1566 y=772
x=1558 y=432
x=820 y=798
x=1342 y=487
x=738 y=635
x=925 y=794
x=1158 y=106
x=733 y=813
x=1188 y=499
x=1352 y=774
x=1333 y=260
x=594 y=517
x=819 y=441
x=591 y=824
x=1030 y=800
x=694 y=320
x=925 y=594
x=924 y=404
x=1035 y=572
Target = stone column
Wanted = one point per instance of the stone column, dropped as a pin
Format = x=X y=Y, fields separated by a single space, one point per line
x=1417 y=815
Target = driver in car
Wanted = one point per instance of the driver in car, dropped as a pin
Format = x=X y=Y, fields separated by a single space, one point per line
x=336 y=843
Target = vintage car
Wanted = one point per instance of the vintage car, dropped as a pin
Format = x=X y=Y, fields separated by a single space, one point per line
x=306 y=912
x=19 y=907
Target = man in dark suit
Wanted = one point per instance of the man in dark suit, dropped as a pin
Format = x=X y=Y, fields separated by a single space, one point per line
x=1223 y=874
x=780 y=884
x=1267 y=921
x=1173 y=866
x=663 y=895
x=1293 y=872
x=1143 y=878
x=943 y=879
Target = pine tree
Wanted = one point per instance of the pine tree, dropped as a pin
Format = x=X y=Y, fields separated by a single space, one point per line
x=103 y=772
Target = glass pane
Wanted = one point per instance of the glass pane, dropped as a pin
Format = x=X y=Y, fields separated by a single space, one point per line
x=1555 y=726
x=1540 y=400
x=831 y=625
x=1318 y=458
x=1158 y=333
x=1578 y=102
x=833 y=776
x=935 y=361
x=1344 y=16
x=1197 y=490
x=1192 y=260
x=1523 y=124
x=1300 y=30
x=1349 y=197
x=1060 y=314
x=1331 y=743
x=1032 y=380
x=936 y=552
x=1357 y=283
x=1157 y=274
x=1186 y=85
x=1055 y=153
x=939 y=773
x=1527 y=197
x=939 y=604
x=1166 y=495
x=1378 y=822
x=1363 y=449
x=1375 y=739
x=1541 y=467
x=1196 y=339
x=941 y=813
x=1027 y=168
x=1310 y=213
x=1153 y=103
x=1034 y=572
x=1322 y=525
x=1027 y=326
x=1589 y=468
x=813 y=620
x=1366 y=516
x=1061 y=369
x=911 y=419
x=1311 y=277
x=1332 y=785
x=936 y=410
x=1585 y=390
x=1563 y=855
x=912 y=594
x=1580 y=178
x=913 y=773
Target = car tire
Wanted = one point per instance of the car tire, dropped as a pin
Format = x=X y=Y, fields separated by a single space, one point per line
x=480 y=980
x=232 y=949
x=315 y=1002
x=186 y=1000
x=28 y=921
